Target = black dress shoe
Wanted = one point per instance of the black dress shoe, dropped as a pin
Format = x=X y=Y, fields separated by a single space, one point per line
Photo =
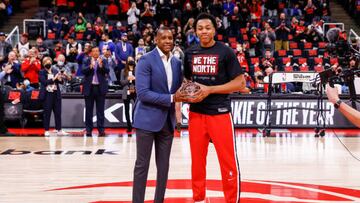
x=88 y=134
x=129 y=129
x=101 y=134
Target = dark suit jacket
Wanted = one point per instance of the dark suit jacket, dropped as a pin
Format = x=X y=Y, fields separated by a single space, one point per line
x=153 y=104
x=15 y=75
x=43 y=78
x=88 y=77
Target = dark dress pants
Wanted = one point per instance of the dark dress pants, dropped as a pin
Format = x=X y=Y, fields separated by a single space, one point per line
x=52 y=103
x=94 y=97
x=3 y=128
x=127 y=109
x=144 y=142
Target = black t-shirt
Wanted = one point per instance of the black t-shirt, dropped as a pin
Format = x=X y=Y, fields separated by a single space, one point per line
x=211 y=66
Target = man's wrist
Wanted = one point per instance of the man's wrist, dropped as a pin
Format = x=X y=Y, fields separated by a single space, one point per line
x=337 y=103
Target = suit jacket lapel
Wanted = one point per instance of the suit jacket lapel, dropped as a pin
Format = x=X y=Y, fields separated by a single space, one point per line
x=161 y=66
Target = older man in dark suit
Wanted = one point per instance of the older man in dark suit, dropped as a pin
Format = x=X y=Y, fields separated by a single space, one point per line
x=95 y=87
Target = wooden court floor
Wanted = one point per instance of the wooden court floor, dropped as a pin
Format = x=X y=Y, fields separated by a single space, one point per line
x=290 y=166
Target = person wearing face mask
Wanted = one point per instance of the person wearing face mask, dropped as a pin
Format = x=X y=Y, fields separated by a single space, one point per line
x=65 y=70
x=127 y=80
x=55 y=26
x=50 y=94
x=25 y=85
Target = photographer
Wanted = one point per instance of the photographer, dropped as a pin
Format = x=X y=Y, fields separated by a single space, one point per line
x=127 y=80
x=315 y=32
x=351 y=114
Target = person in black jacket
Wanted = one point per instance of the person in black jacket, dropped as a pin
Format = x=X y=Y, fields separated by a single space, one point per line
x=95 y=87
x=127 y=80
x=50 y=95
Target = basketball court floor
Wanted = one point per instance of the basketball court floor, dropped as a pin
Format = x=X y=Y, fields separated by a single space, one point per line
x=289 y=166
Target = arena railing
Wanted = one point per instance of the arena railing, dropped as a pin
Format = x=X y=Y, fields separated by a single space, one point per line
x=13 y=37
x=35 y=21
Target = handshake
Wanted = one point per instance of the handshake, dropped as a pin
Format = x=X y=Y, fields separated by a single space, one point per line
x=191 y=92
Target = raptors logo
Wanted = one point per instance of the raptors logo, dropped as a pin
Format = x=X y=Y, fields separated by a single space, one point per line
x=252 y=191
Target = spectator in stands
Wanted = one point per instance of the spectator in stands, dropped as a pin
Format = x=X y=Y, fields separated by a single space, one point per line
x=315 y=31
x=147 y=14
x=80 y=25
x=5 y=48
x=123 y=51
x=268 y=60
x=31 y=67
x=112 y=11
x=271 y=7
x=215 y=8
x=255 y=45
x=141 y=48
x=83 y=57
x=99 y=27
x=267 y=38
x=55 y=26
x=282 y=32
x=310 y=10
x=58 y=49
x=299 y=30
x=73 y=49
x=65 y=27
x=51 y=96
x=42 y=48
x=235 y=21
x=62 y=67
x=107 y=43
x=25 y=86
x=187 y=14
x=255 y=13
x=132 y=13
x=15 y=76
x=242 y=56
x=198 y=9
x=23 y=46
x=294 y=11
x=89 y=34
x=324 y=11
x=116 y=33
x=127 y=80
x=228 y=8
x=112 y=65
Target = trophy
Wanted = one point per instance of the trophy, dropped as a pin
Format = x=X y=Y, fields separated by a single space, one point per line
x=189 y=89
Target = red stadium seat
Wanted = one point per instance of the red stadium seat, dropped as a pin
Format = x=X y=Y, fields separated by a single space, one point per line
x=290 y=37
x=293 y=45
x=288 y=69
x=243 y=31
x=220 y=37
x=286 y=60
x=322 y=45
x=245 y=37
x=318 y=60
x=333 y=61
x=313 y=53
x=232 y=39
x=308 y=45
x=79 y=36
x=302 y=60
x=51 y=35
x=304 y=68
x=281 y=52
x=296 y=53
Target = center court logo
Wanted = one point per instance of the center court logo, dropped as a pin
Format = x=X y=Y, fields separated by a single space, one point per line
x=252 y=191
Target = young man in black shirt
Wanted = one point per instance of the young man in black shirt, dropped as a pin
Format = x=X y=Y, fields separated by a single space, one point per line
x=217 y=71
